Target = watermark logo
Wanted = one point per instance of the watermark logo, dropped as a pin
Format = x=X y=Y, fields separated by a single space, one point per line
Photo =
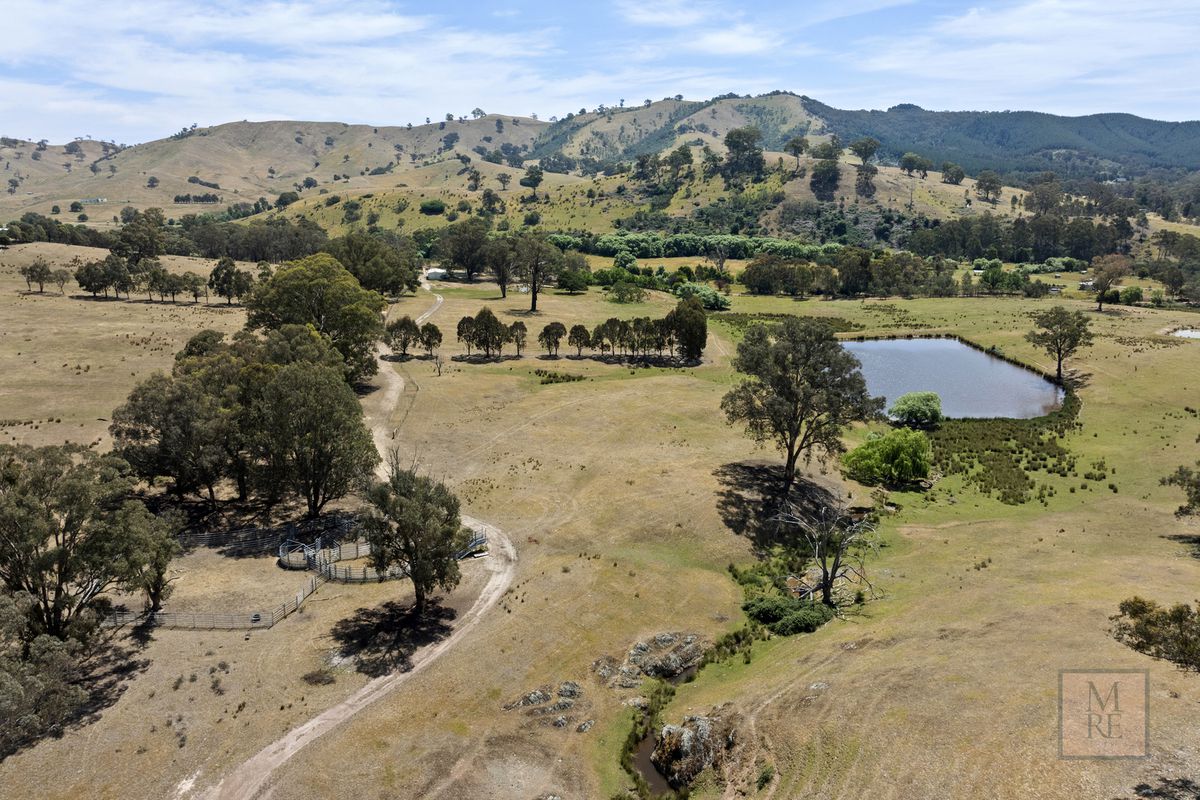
x=1103 y=713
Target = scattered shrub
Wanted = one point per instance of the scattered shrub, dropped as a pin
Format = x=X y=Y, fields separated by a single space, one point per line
x=432 y=207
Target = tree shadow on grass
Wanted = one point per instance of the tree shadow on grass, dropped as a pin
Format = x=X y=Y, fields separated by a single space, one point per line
x=103 y=674
x=109 y=668
x=751 y=497
x=383 y=639
x=1169 y=789
x=1190 y=539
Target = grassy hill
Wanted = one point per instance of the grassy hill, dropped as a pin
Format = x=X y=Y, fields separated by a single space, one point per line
x=389 y=171
x=246 y=160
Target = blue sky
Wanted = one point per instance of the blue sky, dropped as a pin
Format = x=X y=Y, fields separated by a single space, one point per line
x=139 y=70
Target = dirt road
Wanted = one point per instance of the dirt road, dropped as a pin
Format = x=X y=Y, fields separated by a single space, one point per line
x=249 y=780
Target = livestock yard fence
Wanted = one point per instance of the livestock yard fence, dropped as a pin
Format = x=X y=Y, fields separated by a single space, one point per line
x=319 y=557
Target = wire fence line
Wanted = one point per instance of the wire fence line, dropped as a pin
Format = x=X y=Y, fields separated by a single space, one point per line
x=249 y=541
x=321 y=560
x=218 y=621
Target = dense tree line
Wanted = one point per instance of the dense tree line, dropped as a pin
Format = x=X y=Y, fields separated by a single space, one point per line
x=273 y=414
x=273 y=240
x=33 y=227
x=681 y=334
x=655 y=245
x=70 y=530
x=1034 y=238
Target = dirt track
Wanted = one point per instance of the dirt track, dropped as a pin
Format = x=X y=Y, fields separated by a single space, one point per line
x=248 y=780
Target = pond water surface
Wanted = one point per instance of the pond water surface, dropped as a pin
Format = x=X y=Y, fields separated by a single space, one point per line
x=970 y=382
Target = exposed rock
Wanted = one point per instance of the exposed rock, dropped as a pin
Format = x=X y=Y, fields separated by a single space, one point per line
x=664 y=655
x=584 y=727
x=605 y=667
x=562 y=705
x=569 y=689
x=534 y=698
x=560 y=722
x=683 y=751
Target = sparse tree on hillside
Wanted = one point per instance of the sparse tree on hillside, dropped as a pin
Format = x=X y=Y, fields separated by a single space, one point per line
x=952 y=173
x=744 y=155
x=38 y=272
x=803 y=389
x=988 y=185
x=865 y=148
x=1061 y=334
x=912 y=162
x=677 y=161
x=413 y=522
x=504 y=179
x=796 y=147
x=533 y=178
x=864 y=182
x=60 y=278
x=1188 y=480
x=824 y=179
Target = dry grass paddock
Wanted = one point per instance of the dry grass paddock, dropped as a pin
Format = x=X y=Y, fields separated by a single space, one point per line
x=68 y=360
x=613 y=489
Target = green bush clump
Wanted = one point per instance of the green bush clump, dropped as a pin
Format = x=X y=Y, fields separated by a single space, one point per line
x=432 y=207
x=898 y=457
x=806 y=620
x=550 y=376
x=710 y=298
x=917 y=409
x=786 y=616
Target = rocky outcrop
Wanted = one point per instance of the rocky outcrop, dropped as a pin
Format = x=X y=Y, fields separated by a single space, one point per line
x=684 y=751
x=667 y=656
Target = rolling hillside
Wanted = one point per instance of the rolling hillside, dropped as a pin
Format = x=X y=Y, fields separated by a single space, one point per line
x=245 y=161
x=390 y=170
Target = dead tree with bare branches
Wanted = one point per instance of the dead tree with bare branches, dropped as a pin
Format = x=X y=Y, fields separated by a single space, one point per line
x=837 y=544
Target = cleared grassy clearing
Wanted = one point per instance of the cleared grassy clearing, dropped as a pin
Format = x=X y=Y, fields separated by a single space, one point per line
x=945 y=686
x=69 y=360
x=612 y=466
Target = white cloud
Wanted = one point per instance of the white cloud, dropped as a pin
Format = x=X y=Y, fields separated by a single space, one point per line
x=1066 y=56
x=735 y=40
x=666 y=13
